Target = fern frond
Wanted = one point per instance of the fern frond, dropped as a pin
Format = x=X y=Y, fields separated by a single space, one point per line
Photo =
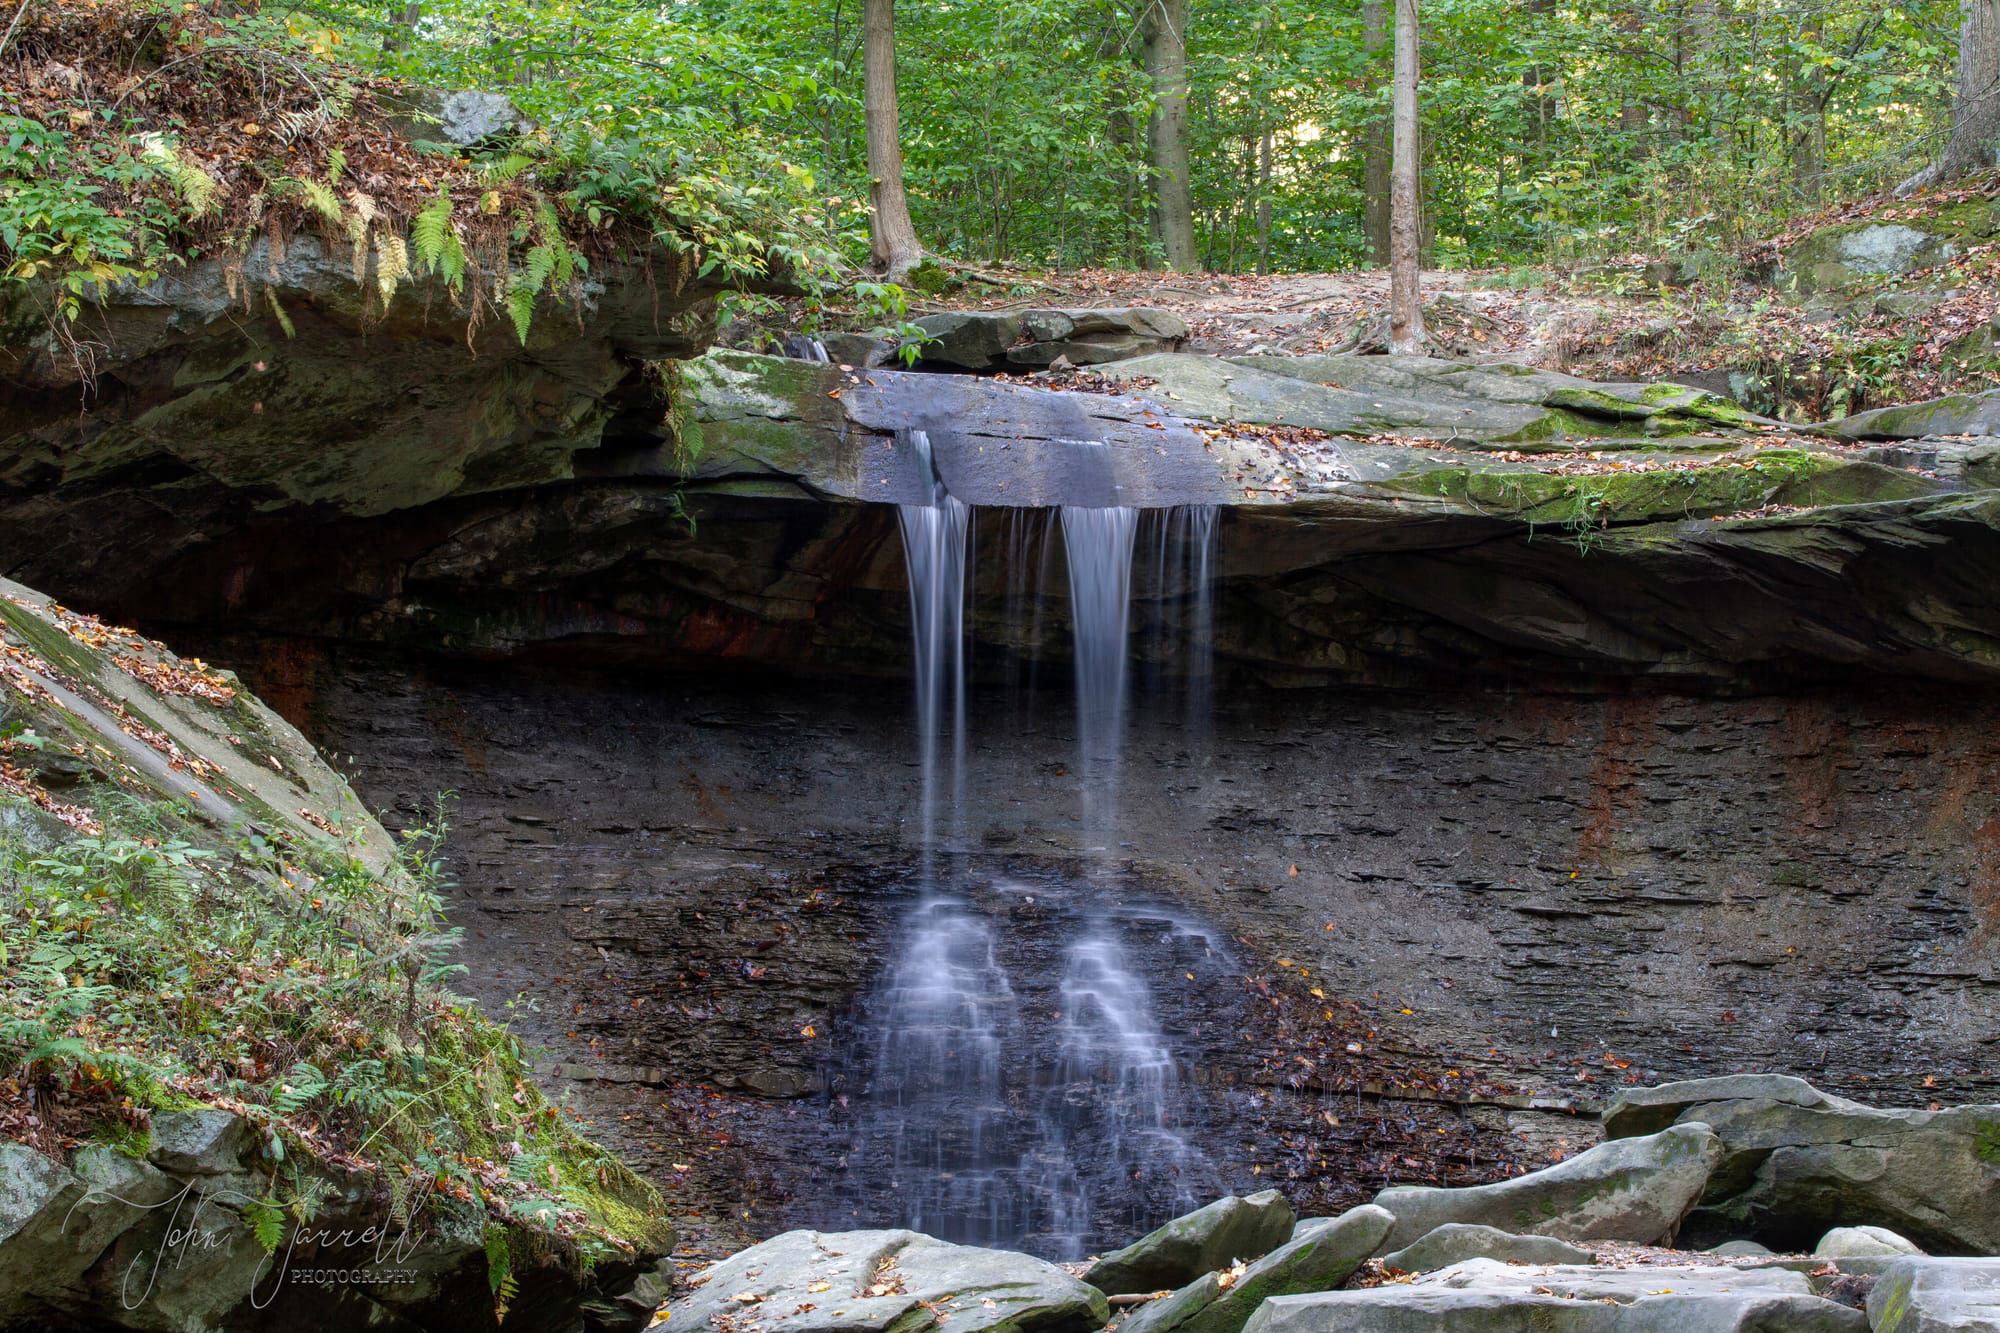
x=521 y=309
x=284 y=320
x=293 y=126
x=536 y=267
x=508 y=167
x=547 y=225
x=427 y=232
x=336 y=164
x=321 y=199
x=452 y=263
x=392 y=264
x=197 y=189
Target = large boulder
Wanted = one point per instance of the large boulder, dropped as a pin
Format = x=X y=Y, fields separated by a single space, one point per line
x=1937 y=1296
x=1639 y=1111
x=1958 y=414
x=1226 y=1231
x=1322 y=1253
x=1793 y=1168
x=1861 y=1243
x=859 y=1281
x=1248 y=391
x=1485 y=1296
x=1012 y=340
x=1841 y=259
x=1428 y=398
x=1456 y=1242
x=1629 y=1189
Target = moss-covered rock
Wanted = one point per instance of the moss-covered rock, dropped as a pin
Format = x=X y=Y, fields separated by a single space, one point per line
x=229 y=969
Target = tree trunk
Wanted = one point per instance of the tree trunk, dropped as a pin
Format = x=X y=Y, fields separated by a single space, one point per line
x=892 y=238
x=1375 y=144
x=1166 y=136
x=1406 y=311
x=1266 y=150
x=1975 y=110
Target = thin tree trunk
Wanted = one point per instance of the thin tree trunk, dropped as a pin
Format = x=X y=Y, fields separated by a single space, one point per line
x=892 y=238
x=1406 y=311
x=1166 y=135
x=1266 y=150
x=1975 y=110
x=1375 y=144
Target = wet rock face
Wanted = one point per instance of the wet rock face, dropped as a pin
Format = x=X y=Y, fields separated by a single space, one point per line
x=683 y=873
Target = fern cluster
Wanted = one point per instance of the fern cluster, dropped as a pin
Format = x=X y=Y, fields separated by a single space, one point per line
x=139 y=969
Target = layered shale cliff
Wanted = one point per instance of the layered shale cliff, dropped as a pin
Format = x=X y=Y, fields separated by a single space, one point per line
x=1564 y=735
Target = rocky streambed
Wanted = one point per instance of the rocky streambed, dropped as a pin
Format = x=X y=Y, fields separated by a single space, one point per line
x=1586 y=1244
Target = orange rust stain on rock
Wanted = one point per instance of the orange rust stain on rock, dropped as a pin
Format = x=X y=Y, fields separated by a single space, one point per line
x=1615 y=766
x=1986 y=877
x=461 y=728
x=1811 y=745
x=716 y=631
x=288 y=678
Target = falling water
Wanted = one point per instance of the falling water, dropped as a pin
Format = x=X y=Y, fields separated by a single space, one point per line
x=1098 y=545
x=995 y=1132
x=949 y=1011
x=935 y=542
x=1115 y=1105
x=1183 y=583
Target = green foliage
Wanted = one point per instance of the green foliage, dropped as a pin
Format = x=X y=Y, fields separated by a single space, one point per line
x=53 y=225
x=139 y=969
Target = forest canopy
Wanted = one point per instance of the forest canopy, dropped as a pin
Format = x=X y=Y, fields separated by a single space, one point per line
x=1552 y=130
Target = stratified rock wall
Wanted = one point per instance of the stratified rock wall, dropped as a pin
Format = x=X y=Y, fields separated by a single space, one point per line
x=686 y=873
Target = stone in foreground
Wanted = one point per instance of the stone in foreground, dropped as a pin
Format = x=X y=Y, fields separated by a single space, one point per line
x=1921 y=1295
x=1861 y=1243
x=1171 y=1311
x=1485 y=1296
x=1323 y=1252
x=1798 y=1164
x=1455 y=1242
x=1629 y=1189
x=862 y=1281
x=1229 y=1230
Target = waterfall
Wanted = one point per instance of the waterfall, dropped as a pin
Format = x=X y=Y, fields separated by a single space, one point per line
x=935 y=546
x=949 y=1012
x=1020 y=1089
x=1098 y=545
x=1115 y=1106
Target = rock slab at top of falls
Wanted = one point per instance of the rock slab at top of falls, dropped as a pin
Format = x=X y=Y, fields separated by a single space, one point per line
x=863 y=1281
x=1795 y=1161
x=1230 y=1229
x=1488 y=1296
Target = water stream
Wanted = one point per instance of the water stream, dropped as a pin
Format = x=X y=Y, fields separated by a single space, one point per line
x=1020 y=1088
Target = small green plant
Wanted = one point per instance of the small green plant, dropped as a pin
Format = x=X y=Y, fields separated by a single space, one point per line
x=302 y=988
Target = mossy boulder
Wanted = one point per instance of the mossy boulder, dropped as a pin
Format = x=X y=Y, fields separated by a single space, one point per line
x=1846 y=258
x=1207 y=1239
x=1958 y=414
x=1634 y=1190
x=1322 y=1253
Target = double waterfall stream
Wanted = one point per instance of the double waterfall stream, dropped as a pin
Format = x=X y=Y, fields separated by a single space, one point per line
x=1018 y=1087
